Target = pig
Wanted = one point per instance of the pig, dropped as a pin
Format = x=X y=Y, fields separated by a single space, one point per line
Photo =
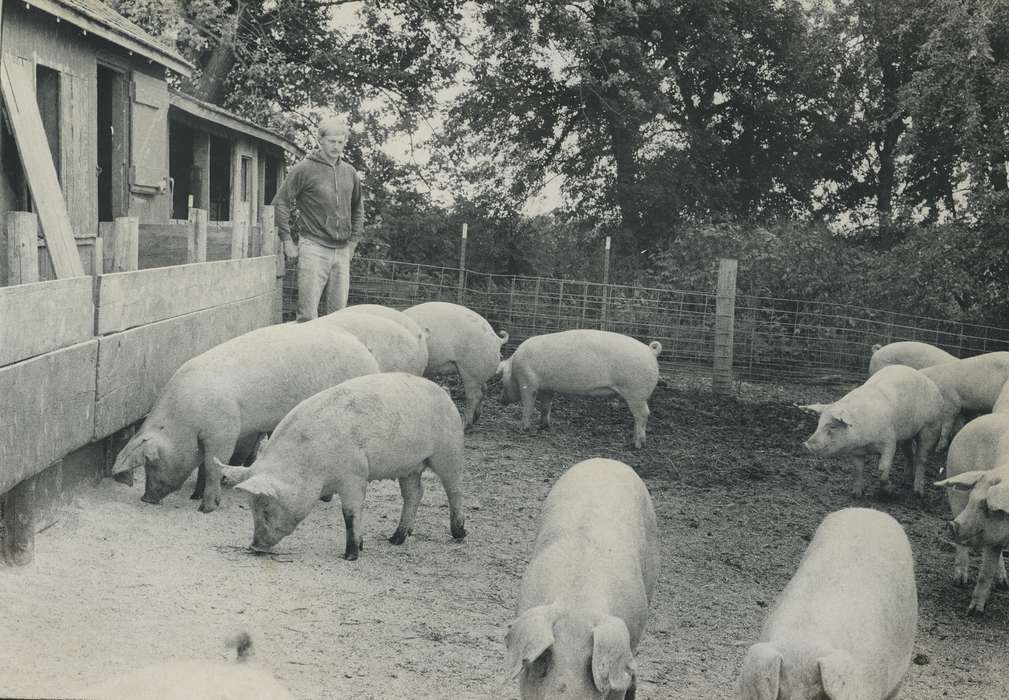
x=583 y=601
x=977 y=481
x=970 y=385
x=381 y=426
x=460 y=341
x=394 y=348
x=195 y=679
x=399 y=317
x=907 y=352
x=845 y=624
x=235 y=390
x=585 y=363
x=1001 y=404
x=898 y=404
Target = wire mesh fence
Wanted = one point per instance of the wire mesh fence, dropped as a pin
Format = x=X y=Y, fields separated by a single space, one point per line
x=775 y=340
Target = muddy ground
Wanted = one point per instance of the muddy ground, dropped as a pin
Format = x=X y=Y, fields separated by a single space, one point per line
x=118 y=584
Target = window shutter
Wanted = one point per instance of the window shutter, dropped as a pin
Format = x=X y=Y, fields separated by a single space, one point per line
x=148 y=132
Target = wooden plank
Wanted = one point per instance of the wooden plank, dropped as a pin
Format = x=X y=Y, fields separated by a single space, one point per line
x=89 y=250
x=78 y=147
x=239 y=240
x=125 y=244
x=48 y=410
x=44 y=316
x=196 y=236
x=131 y=299
x=17 y=87
x=135 y=365
x=22 y=247
x=149 y=132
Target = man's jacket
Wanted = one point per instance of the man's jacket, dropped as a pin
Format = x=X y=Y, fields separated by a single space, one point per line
x=329 y=198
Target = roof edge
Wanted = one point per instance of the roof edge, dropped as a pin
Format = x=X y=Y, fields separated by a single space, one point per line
x=211 y=112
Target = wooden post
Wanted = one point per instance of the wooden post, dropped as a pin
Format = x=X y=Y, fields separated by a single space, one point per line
x=462 y=265
x=125 y=244
x=239 y=240
x=17 y=507
x=511 y=300
x=725 y=310
x=196 y=244
x=604 y=312
x=22 y=248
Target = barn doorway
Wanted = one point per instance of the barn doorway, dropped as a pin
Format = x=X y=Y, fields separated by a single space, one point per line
x=113 y=135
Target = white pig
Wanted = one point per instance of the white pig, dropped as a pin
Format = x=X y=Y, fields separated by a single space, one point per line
x=582 y=362
x=844 y=627
x=1001 y=404
x=977 y=481
x=174 y=680
x=907 y=352
x=460 y=341
x=972 y=384
x=584 y=597
x=896 y=405
x=237 y=389
x=382 y=426
x=394 y=348
x=399 y=317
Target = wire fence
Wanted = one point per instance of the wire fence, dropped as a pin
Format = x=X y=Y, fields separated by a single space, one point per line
x=774 y=340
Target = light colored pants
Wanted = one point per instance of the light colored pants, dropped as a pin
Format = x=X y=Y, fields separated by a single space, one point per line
x=323 y=274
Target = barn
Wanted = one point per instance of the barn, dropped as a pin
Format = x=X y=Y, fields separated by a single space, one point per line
x=135 y=235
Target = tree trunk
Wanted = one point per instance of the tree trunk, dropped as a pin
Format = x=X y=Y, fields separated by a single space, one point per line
x=211 y=82
x=624 y=140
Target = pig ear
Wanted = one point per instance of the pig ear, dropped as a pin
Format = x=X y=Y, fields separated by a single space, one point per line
x=233 y=476
x=529 y=636
x=137 y=452
x=998 y=497
x=841 y=678
x=842 y=415
x=613 y=666
x=814 y=408
x=962 y=482
x=260 y=485
x=761 y=674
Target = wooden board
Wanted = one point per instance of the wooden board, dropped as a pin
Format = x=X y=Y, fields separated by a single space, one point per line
x=162 y=245
x=87 y=248
x=133 y=366
x=48 y=408
x=17 y=87
x=129 y=299
x=45 y=316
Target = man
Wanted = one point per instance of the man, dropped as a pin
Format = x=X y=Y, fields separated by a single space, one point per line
x=327 y=192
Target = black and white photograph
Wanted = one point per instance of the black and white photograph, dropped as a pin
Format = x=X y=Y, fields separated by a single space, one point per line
x=485 y=349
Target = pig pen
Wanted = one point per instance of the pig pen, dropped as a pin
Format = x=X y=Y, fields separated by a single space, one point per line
x=117 y=583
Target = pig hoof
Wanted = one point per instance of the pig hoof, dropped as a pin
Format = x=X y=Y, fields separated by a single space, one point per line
x=327 y=498
x=399 y=537
x=975 y=609
x=210 y=507
x=458 y=532
x=350 y=556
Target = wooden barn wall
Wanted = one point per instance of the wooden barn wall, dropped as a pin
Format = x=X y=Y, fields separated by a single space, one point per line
x=36 y=37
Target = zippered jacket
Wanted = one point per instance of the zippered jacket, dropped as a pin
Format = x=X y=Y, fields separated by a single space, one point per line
x=329 y=198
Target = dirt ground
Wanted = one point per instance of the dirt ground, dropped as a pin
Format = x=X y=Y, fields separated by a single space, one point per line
x=118 y=584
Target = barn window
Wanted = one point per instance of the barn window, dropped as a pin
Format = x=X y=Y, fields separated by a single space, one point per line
x=246 y=178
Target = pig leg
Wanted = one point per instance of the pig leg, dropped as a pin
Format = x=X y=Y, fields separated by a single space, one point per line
x=220 y=445
x=639 y=409
x=925 y=443
x=961 y=565
x=201 y=482
x=528 y=405
x=448 y=466
x=858 y=462
x=1001 y=580
x=985 y=577
x=546 y=403
x=413 y=490
x=474 y=396
x=352 y=500
x=885 y=462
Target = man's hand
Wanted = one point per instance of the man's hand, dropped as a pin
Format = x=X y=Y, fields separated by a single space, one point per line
x=290 y=249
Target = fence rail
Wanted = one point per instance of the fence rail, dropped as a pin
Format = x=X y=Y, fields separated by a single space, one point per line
x=773 y=339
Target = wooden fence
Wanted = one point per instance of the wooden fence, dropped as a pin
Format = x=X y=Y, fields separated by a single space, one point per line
x=82 y=359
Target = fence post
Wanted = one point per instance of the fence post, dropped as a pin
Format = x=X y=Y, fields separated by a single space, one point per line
x=22 y=248
x=511 y=300
x=125 y=244
x=605 y=310
x=536 y=300
x=462 y=265
x=725 y=307
x=239 y=240
x=196 y=243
